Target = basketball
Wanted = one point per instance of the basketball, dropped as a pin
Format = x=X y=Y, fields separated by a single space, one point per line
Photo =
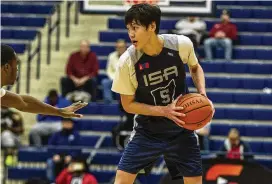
x=198 y=110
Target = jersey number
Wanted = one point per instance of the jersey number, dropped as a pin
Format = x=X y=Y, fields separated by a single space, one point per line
x=164 y=95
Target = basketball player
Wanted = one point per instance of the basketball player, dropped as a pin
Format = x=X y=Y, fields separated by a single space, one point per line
x=27 y=103
x=149 y=77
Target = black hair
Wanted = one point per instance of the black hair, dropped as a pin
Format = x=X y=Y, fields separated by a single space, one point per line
x=7 y=54
x=144 y=14
x=53 y=93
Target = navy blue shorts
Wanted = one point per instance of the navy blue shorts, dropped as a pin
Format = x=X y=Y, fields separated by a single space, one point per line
x=181 y=154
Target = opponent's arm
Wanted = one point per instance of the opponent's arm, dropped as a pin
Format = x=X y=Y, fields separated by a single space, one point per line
x=198 y=78
x=170 y=111
x=30 y=104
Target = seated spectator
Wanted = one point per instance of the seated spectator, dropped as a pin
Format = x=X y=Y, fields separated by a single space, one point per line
x=47 y=125
x=11 y=130
x=111 y=68
x=203 y=137
x=234 y=147
x=81 y=70
x=77 y=172
x=221 y=35
x=66 y=137
x=192 y=27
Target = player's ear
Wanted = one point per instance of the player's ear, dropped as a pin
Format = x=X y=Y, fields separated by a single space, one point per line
x=152 y=26
x=6 y=67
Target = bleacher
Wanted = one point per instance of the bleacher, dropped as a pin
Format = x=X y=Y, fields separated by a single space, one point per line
x=235 y=87
x=20 y=22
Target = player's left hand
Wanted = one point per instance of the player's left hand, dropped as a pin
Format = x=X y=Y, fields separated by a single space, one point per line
x=69 y=112
x=173 y=112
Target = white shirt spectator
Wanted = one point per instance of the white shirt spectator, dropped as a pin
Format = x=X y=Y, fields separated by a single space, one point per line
x=112 y=64
x=196 y=27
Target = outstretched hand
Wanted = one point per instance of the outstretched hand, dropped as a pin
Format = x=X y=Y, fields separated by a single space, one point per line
x=69 y=112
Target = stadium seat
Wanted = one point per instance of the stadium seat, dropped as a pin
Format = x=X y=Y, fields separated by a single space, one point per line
x=241 y=98
x=95 y=125
x=267 y=146
x=262 y=114
x=236 y=67
x=266 y=99
x=33 y=155
x=106 y=158
x=257 y=130
x=215 y=145
x=260 y=68
x=256 y=147
x=27 y=9
x=238 y=53
x=262 y=14
x=220 y=97
x=103 y=64
x=267 y=39
x=167 y=24
x=22 y=21
x=18 y=34
x=89 y=141
x=108 y=142
x=240 y=114
x=19 y=48
x=21 y=173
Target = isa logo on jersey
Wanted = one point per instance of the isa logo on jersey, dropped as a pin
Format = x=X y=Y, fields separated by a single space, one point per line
x=144 y=66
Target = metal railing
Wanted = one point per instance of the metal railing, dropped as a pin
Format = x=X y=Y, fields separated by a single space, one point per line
x=51 y=28
x=30 y=57
x=68 y=8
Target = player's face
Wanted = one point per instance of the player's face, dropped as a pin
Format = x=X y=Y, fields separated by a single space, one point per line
x=11 y=71
x=139 y=35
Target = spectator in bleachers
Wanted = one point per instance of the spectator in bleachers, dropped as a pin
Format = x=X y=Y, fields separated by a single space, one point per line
x=221 y=35
x=81 y=70
x=75 y=173
x=111 y=68
x=192 y=27
x=234 y=147
x=68 y=136
x=11 y=130
x=203 y=137
x=47 y=125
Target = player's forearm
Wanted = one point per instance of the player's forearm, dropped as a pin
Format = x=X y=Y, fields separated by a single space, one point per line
x=199 y=79
x=144 y=109
x=33 y=105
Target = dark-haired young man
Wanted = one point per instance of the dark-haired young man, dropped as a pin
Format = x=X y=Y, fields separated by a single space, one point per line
x=26 y=103
x=150 y=78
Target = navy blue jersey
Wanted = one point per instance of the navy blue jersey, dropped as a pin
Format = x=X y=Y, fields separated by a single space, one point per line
x=155 y=80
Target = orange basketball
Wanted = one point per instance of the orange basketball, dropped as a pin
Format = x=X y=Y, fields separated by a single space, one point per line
x=198 y=110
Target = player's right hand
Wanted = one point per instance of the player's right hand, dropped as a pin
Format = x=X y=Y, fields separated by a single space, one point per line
x=173 y=113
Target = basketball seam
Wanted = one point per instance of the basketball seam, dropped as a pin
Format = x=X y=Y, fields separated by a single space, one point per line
x=196 y=108
x=186 y=99
x=201 y=120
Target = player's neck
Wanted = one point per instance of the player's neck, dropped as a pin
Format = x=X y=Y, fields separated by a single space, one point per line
x=3 y=81
x=154 y=46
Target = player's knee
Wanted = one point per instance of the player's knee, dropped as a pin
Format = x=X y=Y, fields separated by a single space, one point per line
x=193 y=180
x=123 y=177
